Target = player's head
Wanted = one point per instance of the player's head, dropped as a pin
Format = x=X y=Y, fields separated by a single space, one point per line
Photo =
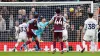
x=17 y=23
x=43 y=19
x=36 y=16
x=90 y=15
x=58 y=10
x=24 y=20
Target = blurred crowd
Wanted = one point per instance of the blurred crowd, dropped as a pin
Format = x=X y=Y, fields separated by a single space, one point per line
x=11 y=17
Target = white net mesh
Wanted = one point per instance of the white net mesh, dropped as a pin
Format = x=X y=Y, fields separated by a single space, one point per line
x=13 y=14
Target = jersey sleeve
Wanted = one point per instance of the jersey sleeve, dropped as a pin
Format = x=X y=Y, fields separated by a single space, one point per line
x=47 y=23
x=64 y=19
x=96 y=25
x=30 y=21
x=52 y=18
x=51 y=21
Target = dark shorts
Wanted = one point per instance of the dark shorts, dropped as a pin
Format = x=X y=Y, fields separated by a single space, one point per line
x=57 y=35
x=31 y=34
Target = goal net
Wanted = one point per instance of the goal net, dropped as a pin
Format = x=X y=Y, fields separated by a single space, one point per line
x=12 y=14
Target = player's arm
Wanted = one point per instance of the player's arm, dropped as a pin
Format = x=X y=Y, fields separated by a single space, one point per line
x=39 y=25
x=17 y=32
x=64 y=19
x=67 y=22
x=84 y=28
x=30 y=21
x=51 y=21
x=27 y=27
x=52 y=29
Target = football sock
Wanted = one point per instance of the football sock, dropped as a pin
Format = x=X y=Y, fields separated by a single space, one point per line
x=67 y=46
x=54 y=44
x=83 y=44
x=92 y=46
x=61 y=45
x=37 y=43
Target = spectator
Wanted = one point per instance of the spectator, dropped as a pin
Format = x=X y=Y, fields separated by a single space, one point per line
x=11 y=26
x=24 y=16
x=20 y=12
x=19 y=16
x=72 y=34
x=11 y=22
x=16 y=29
x=65 y=13
x=2 y=24
x=5 y=12
x=79 y=33
x=89 y=10
x=78 y=11
x=5 y=15
x=33 y=11
x=30 y=16
x=2 y=27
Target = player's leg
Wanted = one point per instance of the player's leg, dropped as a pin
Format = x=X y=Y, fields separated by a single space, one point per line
x=65 y=37
x=92 y=44
x=85 y=38
x=61 y=42
x=25 y=44
x=83 y=46
x=67 y=46
x=16 y=45
x=37 y=41
x=55 y=35
x=29 y=34
x=39 y=37
x=25 y=39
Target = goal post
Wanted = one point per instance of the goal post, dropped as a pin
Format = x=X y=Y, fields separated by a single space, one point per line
x=23 y=10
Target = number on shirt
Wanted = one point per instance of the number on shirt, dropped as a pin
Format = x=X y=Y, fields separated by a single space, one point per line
x=58 y=22
x=23 y=29
x=91 y=26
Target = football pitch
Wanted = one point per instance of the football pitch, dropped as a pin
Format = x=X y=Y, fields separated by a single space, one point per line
x=48 y=54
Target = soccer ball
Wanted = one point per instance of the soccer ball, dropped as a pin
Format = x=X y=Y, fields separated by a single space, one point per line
x=71 y=9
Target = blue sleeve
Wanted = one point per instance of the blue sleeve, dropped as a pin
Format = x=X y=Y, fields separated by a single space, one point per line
x=47 y=23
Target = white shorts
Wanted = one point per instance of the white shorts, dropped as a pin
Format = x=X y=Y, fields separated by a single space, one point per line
x=65 y=35
x=89 y=37
x=22 y=37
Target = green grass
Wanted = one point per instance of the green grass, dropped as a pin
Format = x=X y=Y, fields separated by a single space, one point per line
x=48 y=54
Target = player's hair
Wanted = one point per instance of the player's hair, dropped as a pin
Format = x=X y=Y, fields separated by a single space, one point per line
x=58 y=10
x=24 y=20
x=36 y=16
x=90 y=15
x=41 y=17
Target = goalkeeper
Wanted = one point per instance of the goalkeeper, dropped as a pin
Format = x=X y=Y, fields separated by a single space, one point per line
x=41 y=27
